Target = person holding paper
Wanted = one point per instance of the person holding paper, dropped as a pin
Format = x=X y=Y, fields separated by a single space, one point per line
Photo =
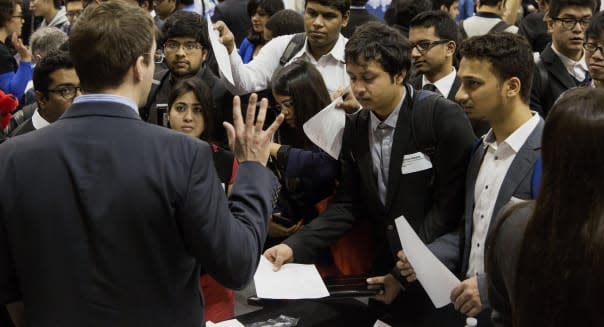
x=306 y=172
x=391 y=166
x=496 y=73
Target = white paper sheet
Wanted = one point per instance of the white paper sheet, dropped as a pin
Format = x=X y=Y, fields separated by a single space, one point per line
x=220 y=52
x=226 y=323
x=326 y=129
x=437 y=280
x=292 y=281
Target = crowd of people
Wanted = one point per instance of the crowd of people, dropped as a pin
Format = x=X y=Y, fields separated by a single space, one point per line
x=140 y=185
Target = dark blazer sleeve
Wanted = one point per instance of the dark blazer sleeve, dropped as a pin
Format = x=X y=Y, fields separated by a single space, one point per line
x=9 y=291
x=501 y=261
x=447 y=249
x=339 y=216
x=455 y=140
x=226 y=237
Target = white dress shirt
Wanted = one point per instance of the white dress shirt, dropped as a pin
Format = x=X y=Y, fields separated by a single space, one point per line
x=256 y=75
x=444 y=84
x=576 y=69
x=494 y=167
x=38 y=121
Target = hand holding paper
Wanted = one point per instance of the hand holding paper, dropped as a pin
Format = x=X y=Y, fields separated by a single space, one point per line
x=220 y=51
x=292 y=281
x=437 y=280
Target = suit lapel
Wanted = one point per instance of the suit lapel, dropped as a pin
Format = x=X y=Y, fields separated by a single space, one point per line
x=454 y=89
x=557 y=69
x=400 y=146
x=519 y=170
x=362 y=152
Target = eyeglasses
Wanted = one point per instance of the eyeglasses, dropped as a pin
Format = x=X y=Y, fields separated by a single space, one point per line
x=74 y=14
x=67 y=92
x=189 y=47
x=570 y=23
x=425 y=45
x=285 y=104
x=593 y=47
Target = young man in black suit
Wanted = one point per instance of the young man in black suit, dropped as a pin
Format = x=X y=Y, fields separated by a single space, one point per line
x=562 y=64
x=389 y=166
x=358 y=16
x=107 y=220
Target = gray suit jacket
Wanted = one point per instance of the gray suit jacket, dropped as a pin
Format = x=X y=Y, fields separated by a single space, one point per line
x=453 y=249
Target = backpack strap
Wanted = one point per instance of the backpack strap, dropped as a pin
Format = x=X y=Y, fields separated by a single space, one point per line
x=294 y=46
x=536 y=178
x=158 y=80
x=499 y=27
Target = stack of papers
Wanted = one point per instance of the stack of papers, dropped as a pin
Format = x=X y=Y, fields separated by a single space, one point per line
x=293 y=281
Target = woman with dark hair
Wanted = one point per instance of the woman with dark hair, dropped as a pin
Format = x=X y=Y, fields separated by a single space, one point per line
x=190 y=105
x=546 y=258
x=259 y=11
x=13 y=77
x=307 y=173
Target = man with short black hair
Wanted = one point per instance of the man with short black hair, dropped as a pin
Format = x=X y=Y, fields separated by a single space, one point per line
x=358 y=16
x=594 y=50
x=393 y=163
x=56 y=84
x=186 y=50
x=562 y=64
x=107 y=220
x=448 y=6
x=73 y=10
x=487 y=20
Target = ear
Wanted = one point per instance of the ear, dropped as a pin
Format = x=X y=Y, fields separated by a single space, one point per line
x=41 y=100
x=512 y=87
x=140 y=68
x=345 y=18
x=399 y=78
x=204 y=54
x=549 y=22
x=451 y=47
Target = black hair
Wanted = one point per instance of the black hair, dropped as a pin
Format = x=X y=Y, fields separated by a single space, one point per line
x=270 y=7
x=436 y=4
x=304 y=84
x=556 y=6
x=7 y=9
x=376 y=41
x=444 y=26
x=186 y=24
x=285 y=22
x=343 y=6
x=57 y=3
x=490 y=3
x=203 y=95
x=595 y=30
x=401 y=12
x=52 y=62
x=359 y=3
x=510 y=56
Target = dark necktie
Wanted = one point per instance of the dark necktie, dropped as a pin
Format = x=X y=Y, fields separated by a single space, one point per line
x=431 y=88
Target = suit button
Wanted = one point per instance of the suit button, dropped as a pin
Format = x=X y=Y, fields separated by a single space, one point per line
x=390 y=227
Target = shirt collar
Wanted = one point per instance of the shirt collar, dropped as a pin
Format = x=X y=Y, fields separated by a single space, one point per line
x=38 y=121
x=391 y=120
x=444 y=84
x=87 y=98
x=569 y=63
x=517 y=139
x=337 y=52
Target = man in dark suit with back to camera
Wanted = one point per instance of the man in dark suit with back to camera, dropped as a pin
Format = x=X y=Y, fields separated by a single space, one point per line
x=106 y=220
x=406 y=154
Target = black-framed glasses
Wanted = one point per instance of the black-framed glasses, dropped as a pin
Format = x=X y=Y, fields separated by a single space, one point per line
x=289 y=104
x=425 y=45
x=570 y=23
x=593 y=47
x=189 y=47
x=67 y=92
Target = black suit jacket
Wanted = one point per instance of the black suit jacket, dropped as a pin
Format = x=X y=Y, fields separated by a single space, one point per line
x=106 y=220
x=26 y=127
x=543 y=96
x=358 y=17
x=431 y=200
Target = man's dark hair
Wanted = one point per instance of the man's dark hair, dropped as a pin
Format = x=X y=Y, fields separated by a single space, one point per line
x=376 y=41
x=401 y=12
x=436 y=4
x=107 y=41
x=556 y=6
x=285 y=22
x=186 y=24
x=203 y=95
x=595 y=30
x=270 y=7
x=510 y=56
x=184 y=3
x=343 y=6
x=57 y=3
x=358 y=3
x=7 y=9
x=52 y=62
x=444 y=26
x=490 y=3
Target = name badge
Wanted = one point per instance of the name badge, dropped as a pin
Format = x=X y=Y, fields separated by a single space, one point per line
x=415 y=162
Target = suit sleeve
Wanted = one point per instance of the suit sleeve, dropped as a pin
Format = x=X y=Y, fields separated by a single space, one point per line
x=455 y=140
x=227 y=238
x=447 y=249
x=339 y=216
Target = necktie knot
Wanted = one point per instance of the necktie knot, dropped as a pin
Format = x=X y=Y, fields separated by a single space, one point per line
x=430 y=87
